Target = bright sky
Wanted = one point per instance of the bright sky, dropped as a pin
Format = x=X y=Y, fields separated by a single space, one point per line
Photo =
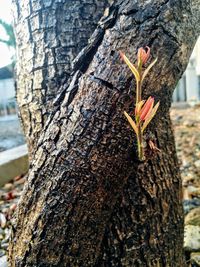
x=5 y=14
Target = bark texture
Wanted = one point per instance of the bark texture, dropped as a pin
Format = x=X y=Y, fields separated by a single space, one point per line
x=49 y=36
x=88 y=201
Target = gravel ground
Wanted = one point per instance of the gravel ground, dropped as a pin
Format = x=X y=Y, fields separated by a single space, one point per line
x=186 y=123
x=187 y=135
x=9 y=196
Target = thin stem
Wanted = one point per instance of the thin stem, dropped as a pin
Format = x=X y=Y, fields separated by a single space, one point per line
x=138 y=92
x=140 y=144
x=140 y=134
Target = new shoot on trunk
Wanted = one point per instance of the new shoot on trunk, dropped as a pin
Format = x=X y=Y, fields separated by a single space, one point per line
x=145 y=110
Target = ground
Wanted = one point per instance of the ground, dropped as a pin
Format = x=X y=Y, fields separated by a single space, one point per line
x=186 y=123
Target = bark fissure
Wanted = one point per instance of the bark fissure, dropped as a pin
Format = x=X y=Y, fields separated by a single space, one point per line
x=53 y=34
x=82 y=61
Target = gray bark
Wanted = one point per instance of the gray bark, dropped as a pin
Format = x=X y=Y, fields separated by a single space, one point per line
x=49 y=36
x=88 y=201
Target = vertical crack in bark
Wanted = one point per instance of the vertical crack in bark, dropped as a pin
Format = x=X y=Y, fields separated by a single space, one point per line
x=54 y=32
x=82 y=61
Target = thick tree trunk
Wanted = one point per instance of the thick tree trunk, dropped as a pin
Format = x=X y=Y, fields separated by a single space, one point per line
x=88 y=201
x=49 y=36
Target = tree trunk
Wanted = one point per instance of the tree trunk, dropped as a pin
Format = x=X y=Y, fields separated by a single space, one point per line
x=88 y=201
x=49 y=35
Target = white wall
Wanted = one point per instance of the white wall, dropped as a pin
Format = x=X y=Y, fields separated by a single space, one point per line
x=7 y=89
x=188 y=88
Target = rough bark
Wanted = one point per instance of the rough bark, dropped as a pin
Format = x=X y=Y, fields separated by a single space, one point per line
x=49 y=35
x=88 y=201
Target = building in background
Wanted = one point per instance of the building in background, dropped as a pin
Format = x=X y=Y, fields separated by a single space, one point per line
x=7 y=91
x=10 y=130
x=188 y=88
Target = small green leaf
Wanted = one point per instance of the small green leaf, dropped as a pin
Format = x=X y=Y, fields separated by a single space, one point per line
x=139 y=106
x=148 y=69
x=132 y=123
x=131 y=66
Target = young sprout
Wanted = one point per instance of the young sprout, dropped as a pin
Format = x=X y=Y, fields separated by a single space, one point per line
x=145 y=110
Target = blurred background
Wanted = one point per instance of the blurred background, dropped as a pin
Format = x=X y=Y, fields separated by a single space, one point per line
x=10 y=131
x=13 y=152
x=188 y=88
